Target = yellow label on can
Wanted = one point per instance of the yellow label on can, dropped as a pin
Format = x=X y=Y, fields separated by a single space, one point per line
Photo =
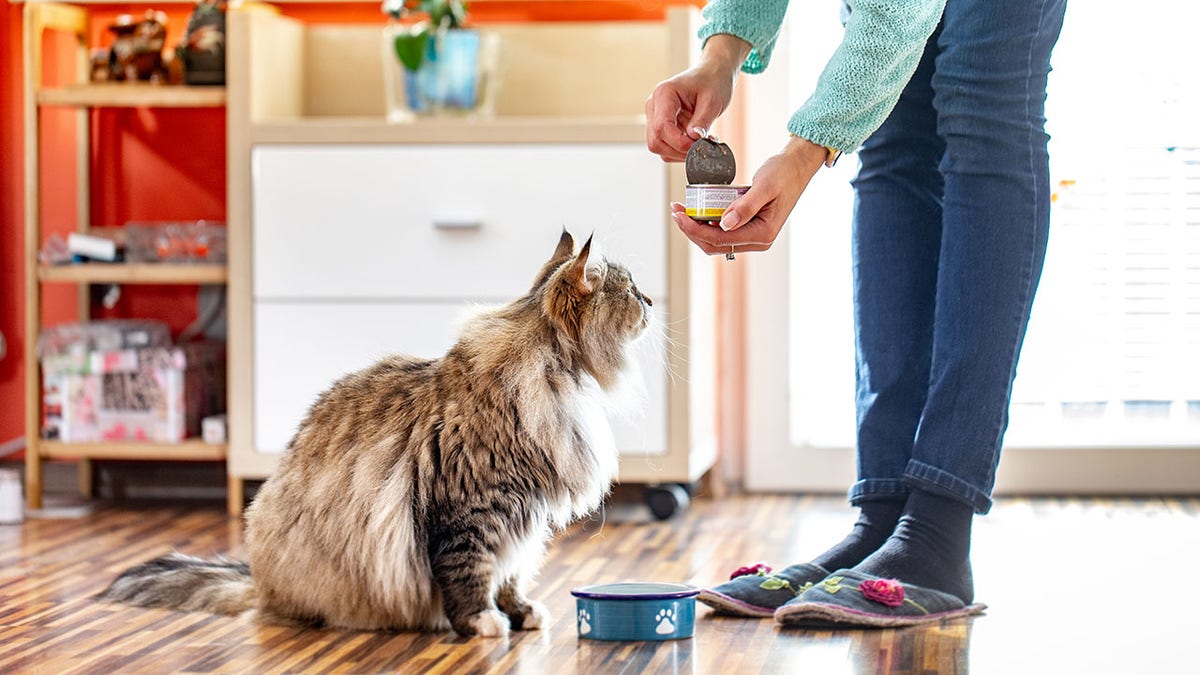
x=705 y=214
x=708 y=202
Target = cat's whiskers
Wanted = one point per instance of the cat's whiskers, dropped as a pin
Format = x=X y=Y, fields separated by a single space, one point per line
x=670 y=343
x=603 y=521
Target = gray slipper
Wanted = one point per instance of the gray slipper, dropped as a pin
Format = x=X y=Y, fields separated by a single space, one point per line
x=759 y=592
x=848 y=599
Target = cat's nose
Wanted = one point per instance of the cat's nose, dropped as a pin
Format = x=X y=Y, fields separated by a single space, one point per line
x=647 y=299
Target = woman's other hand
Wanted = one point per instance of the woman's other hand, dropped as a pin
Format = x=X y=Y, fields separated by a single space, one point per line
x=754 y=220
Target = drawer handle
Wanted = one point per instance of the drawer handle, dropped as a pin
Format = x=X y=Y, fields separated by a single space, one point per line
x=458 y=225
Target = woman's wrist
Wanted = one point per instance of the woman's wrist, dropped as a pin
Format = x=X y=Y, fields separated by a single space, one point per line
x=725 y=53
x=805 y=153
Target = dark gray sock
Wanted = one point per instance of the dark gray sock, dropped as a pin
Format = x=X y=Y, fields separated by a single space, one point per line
x=931 y=546
x=876 y=520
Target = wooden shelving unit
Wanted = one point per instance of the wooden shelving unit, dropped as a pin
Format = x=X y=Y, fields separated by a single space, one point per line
x=72 y=18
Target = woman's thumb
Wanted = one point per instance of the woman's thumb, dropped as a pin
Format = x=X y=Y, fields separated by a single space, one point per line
x=742 y=210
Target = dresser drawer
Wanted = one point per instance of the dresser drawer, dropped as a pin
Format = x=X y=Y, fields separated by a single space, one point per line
x=301 y=348
x=448 y=222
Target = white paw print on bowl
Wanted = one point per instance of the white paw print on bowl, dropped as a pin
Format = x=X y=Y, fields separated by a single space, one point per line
x=584 y=626
x=665 y=625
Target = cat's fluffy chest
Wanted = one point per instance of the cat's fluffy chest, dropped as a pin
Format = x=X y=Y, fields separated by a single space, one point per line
x=576 y=432
x=596 y=434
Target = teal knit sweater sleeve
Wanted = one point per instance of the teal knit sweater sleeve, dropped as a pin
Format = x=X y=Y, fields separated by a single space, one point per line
x=863 y=79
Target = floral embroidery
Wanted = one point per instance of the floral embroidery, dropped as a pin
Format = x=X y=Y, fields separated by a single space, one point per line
x=775 y=583
x=833 y=584
x=884 y=591
x=761 y=569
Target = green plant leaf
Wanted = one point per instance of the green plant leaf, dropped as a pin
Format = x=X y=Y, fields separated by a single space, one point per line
x=410 y=46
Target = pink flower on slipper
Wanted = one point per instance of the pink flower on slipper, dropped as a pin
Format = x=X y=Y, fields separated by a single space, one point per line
x=884 y=591
x=748 y=570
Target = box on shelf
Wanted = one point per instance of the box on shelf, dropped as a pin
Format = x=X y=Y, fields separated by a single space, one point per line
x=106 y=382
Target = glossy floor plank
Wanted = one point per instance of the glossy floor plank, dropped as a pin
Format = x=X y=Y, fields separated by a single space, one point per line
x=1074 y=586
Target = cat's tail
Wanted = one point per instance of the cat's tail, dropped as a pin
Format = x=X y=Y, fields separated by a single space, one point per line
x=183 y=582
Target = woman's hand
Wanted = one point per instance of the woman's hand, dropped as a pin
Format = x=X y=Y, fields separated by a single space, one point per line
x=682 y=108
x=753 y=221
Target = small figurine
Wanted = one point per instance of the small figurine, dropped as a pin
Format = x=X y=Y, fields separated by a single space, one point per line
x=202 y=50
x=136 y=52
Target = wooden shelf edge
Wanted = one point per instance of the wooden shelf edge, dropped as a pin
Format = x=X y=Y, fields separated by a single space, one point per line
x=136 y=273
x=191 y=449
x=502 y=129
x=133 y=95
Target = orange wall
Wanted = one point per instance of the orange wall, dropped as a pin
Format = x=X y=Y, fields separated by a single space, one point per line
x=11 y=284
x=158 y=164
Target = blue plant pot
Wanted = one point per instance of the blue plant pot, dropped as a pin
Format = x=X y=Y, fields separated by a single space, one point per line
x=635 y=611
x=449 y=75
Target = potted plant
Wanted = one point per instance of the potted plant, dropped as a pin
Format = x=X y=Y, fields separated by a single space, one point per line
x=437 y=59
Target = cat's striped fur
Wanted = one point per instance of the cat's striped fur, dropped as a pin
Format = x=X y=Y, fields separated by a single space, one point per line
x=420 y=494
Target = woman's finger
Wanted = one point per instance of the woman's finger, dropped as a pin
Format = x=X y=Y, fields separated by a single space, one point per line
x=664 y=136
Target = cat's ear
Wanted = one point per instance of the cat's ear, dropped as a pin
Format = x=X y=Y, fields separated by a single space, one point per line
x=562 y=253
x=582 y=278
x=566 y=246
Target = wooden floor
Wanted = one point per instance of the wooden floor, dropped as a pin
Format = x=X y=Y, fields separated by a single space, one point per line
x=1073 y=586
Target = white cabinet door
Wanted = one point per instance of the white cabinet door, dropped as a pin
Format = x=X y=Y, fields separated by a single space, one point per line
x=448 y=222
x=302 y=347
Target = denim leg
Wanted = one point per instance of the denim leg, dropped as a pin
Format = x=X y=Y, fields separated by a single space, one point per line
x=989 y=87
x=896 y=244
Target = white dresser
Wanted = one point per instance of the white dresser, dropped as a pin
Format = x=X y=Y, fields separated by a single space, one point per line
x=354 y=239
x=362 y=251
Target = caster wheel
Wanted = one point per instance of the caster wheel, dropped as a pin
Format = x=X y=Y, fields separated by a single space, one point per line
x=665 y=500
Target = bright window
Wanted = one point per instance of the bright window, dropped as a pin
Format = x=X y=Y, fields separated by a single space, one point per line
x=1112 y=357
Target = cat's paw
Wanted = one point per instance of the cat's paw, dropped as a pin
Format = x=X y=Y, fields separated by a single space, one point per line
x=488 y=623
x=536 y=616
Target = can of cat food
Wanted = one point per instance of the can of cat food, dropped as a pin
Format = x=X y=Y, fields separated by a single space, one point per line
x=707 y=202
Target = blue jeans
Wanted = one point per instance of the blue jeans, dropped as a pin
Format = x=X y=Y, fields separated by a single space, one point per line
x=951 y=215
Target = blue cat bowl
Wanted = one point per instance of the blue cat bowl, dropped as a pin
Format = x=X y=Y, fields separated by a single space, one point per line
x=635 y=611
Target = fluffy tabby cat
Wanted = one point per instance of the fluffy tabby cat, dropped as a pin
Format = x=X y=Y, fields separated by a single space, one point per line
x=420 y=494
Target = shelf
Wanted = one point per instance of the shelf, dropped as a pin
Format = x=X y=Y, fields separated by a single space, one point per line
x=192 y=449
x=135 y=273
x=133 y=95
x=75 y=20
